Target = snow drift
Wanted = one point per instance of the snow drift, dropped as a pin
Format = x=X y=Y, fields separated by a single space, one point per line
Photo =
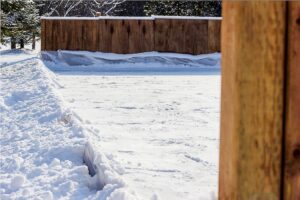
x=44 y=145
x=149 y=62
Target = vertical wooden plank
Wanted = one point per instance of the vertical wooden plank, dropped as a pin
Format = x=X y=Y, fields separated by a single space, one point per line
x=253 y=35
x=65 y=35
x=56 y=35
x=135 y=42
x=140 y=33
x=214 y=36
x=188 y=43
x=43 y=34
x=176 y=37
x=75 y=30
x=200 y=32
x=147 y=35
x=106 y=30
x=292 y=133
x=120 y=42
x=162 y=34
x=90 y=35
x=79 y=34
x=49 y=35
x=69 y=34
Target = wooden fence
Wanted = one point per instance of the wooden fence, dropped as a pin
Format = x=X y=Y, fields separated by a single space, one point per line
x=193 y=35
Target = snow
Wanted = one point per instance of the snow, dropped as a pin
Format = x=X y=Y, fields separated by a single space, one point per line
x=163 y=130
x=142 y=63
x=9 y=57
x=152 y=17
x=109 y=126
x=186 y=17
x=43 y=143
x=17 y=182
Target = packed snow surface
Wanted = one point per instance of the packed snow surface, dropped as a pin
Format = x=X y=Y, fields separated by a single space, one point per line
x=162 y=129
x=145 y=124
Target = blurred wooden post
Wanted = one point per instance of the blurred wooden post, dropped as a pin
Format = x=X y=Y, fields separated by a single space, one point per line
x=253 y=61
x=292 y=134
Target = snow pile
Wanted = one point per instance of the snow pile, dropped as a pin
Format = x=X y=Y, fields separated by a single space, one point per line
x=43 y=143
x=9 y=57
x=142 y=62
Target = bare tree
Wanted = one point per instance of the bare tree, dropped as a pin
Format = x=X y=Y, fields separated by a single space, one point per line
x=78 y=7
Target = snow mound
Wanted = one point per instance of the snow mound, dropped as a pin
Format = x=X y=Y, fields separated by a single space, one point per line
x=43 y=144
x=141 y=62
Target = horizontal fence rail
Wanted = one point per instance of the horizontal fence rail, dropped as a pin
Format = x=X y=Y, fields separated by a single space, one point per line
x=192 y=35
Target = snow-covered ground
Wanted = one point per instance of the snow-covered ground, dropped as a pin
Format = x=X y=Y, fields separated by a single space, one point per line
x=148 y=123
x=43 y=143
x=163 y=130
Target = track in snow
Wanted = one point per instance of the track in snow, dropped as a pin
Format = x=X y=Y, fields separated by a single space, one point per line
x=163 y=130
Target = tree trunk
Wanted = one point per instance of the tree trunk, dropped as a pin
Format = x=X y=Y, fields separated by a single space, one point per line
x=21 y=43
x=33 y=40
x=12 y=43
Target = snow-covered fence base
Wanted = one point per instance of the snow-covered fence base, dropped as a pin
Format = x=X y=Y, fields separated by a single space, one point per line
x=150 y=62
x=192 y=35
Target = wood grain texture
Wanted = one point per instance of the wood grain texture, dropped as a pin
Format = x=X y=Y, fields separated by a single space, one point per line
x=71 y=34
x=141 y=37
x=90 y=35
x=199 y=31
x=176 y=38
x=43 y=34
x=292 y=133
x=214 y=33
x=147 y=37
x=62 y=35
x=253 y=35
x=132 y=36
x=106 y=30
x=181 y=36
x=48 y=36
x=162 y=34
x=56 y=35
x=120 y=38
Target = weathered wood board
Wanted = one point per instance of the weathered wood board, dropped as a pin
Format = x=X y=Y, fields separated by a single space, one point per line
x=292 y=125
x=252 y=100
x=132 y=35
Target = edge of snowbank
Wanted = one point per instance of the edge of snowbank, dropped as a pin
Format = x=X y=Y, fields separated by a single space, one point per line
x=85 y=61
x=105 y=170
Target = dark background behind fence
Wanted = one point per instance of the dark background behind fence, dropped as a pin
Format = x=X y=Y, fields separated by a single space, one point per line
x=180 y=35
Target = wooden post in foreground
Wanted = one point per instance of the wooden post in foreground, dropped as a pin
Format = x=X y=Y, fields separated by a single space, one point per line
x=292 y=127
x=260 y=115
x=253 y=60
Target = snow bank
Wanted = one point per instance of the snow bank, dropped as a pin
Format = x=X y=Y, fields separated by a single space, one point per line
x=43 y=144
x=141 y=62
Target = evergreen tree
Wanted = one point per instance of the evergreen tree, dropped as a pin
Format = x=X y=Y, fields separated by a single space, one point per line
x=20 y=22
x=31 y=23
x=183 y=8
x=129 y=8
